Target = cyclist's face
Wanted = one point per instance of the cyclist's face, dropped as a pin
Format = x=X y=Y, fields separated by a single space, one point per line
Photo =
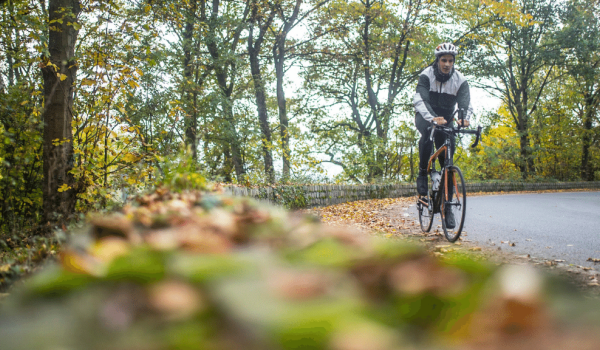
x=446 y=63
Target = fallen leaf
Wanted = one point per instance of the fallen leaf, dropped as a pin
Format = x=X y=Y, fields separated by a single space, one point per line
x=79 y=262
x=112 y=226
x=109 y=248
x=426 y=275
x=296 y=285
x=177 y=300
x=439 y=248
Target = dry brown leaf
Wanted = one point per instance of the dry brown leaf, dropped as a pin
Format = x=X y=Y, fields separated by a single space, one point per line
x=177 y=300
x=202 y=239
x=299 y=285
x=165 y=239
x=439 y=248
x=114 y=225
x=426 y=275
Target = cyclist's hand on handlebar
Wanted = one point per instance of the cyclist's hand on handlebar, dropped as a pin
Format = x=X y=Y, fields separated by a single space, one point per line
x=464 y=123
x=439 y=120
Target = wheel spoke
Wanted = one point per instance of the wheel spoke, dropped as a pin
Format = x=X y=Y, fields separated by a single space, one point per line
x=425 y=206
x=453 y=214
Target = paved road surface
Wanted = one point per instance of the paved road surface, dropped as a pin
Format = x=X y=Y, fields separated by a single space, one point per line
x=564 y=225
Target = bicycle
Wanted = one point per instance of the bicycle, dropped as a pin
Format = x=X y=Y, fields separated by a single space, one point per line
x=441 y=197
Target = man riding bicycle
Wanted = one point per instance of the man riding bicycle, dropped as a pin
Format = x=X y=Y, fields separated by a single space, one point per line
x=439 y=90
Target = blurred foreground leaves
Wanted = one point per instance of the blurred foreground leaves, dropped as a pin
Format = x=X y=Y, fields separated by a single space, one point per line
x=198 y=270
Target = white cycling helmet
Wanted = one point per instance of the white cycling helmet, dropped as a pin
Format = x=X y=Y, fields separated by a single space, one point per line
x=446 y=49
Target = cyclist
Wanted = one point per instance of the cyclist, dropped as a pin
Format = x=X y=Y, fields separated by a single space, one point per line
x=440 y=89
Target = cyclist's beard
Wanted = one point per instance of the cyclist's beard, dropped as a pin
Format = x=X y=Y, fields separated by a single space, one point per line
x=441 y=77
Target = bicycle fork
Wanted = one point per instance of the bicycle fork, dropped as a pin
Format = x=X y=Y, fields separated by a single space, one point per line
x=446 y=196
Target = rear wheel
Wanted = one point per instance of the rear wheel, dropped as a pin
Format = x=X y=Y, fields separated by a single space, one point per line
x=425 y=208
x=454 y=204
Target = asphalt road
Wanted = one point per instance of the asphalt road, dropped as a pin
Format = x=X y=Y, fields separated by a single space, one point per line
x=553 y=226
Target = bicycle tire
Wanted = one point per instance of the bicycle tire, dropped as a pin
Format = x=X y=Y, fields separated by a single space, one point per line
x=458 y=204
x=426 y=211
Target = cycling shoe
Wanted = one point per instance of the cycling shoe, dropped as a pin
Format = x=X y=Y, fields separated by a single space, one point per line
x=422 y=185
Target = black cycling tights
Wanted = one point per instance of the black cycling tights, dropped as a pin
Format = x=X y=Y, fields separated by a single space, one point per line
x=425 y=144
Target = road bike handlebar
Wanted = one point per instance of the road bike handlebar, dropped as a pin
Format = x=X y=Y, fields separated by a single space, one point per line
x=458 y=130
x=477 y=134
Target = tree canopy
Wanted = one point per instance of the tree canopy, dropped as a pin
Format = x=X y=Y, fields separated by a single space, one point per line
x=101 y=99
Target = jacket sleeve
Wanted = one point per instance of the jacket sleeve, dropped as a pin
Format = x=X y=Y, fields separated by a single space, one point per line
x=463 y=98
x=421 y=99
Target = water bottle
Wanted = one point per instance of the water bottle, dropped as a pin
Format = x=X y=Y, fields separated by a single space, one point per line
x=435 y=178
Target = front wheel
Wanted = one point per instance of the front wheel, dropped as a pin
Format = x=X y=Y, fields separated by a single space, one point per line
x=454 y=203
x=425 y=208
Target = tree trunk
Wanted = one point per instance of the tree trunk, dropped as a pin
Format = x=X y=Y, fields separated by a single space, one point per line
x=526 y=165
x=191 y=120
x=224 y=66
x=254 y=46
x=587 y=172
x=279 y=61
x=525 y=154
x=59 y=73
x=376 y=143
x=234 y=142
x=261 y=104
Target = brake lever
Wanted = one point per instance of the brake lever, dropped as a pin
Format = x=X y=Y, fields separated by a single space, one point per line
x=477 y=137
x=432 y=131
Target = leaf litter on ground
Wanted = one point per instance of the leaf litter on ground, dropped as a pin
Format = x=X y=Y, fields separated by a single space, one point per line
x=197 y=270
